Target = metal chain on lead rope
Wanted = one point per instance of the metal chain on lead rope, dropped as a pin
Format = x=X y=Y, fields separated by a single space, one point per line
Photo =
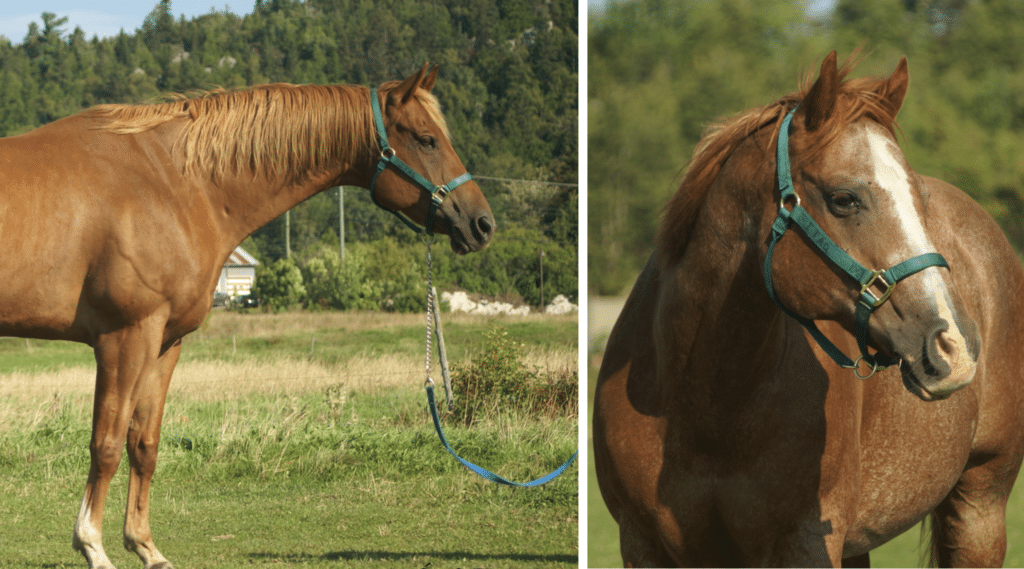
x=429 y=240
x=434 y=317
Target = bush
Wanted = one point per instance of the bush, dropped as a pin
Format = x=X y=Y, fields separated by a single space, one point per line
x=399 y=271
x=498 y=380
x=331 y=283
x=279 y=284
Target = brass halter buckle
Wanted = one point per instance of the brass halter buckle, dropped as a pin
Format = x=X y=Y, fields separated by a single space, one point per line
x=868 y=298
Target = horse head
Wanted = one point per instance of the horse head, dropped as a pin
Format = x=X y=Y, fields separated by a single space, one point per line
x=851 y=177
x=434 y=190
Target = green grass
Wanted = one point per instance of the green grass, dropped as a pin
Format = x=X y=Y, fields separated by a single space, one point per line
x=328 y=475
x=902 y=551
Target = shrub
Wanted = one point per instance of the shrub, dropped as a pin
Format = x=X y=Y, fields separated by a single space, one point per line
x=498 y=380
x=331 y=283
x=279 y=284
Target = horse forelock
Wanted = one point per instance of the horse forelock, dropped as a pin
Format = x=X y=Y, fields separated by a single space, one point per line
x=858 y=98
x=430 y=104
x=272 y=130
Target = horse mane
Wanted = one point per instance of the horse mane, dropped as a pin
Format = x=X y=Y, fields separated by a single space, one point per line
x=279 y=130
x=857 y=98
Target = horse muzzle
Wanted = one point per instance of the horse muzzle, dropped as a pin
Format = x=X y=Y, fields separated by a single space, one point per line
x=944 y=362
x=469 y=228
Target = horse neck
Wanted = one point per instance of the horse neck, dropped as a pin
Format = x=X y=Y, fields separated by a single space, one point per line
x=715 y=320
x=252 y=203
x=271 y=149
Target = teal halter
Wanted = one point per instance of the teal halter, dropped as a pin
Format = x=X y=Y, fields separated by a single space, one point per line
x=867 y=278
x=388 y=157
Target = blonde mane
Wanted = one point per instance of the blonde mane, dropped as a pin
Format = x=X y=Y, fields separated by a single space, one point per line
x=858 y=98
x=289 y=131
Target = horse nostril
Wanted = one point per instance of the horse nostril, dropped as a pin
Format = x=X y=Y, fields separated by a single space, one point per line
x=485 y=226
x=946 y=345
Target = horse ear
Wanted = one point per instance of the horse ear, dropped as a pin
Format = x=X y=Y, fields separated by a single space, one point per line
x=428 y=81
x=895 y=88
x=821 y=99
x=404 y=91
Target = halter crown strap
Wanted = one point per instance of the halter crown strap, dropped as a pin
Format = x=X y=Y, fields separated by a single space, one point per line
x=388 y=157
x=868 y=300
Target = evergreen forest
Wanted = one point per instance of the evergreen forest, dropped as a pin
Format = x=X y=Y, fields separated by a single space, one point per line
x=659 y=71
x=508 y=87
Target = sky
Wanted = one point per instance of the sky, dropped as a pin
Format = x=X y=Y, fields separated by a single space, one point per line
x=103 y=18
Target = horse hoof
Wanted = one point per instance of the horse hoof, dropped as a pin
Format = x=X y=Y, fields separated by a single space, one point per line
x=161 y=565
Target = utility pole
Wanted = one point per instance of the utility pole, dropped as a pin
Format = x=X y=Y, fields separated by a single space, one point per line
x=542 y=276
x=288 y=233
x=341 y=220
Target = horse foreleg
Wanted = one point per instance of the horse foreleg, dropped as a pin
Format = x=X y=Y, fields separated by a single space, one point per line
x=143 y=443
x=969 y=526
x=105 y=452
x=122 y=357
x=641 y=548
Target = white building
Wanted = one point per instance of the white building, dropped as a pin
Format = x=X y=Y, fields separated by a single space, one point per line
x=238 y=274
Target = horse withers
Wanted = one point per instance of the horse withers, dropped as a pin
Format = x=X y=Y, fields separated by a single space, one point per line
x=130 y=212
x=730 y=428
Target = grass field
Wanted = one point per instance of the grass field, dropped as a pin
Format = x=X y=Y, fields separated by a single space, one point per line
x=903 y=551
x=298 y=440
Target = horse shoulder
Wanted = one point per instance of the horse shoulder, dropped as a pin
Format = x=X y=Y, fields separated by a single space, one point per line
x=991 y=280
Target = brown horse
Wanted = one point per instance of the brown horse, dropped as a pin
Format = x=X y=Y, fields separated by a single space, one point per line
x=726 y=435
x=129 y=212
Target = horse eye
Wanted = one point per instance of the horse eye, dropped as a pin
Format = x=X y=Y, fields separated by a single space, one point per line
x=427 y=140
x=844 y=200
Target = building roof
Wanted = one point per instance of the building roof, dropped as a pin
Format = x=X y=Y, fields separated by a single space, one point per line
x=241 y=258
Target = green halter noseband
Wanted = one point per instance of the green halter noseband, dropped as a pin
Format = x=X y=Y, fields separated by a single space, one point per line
x=388 y=157
x=867 y=278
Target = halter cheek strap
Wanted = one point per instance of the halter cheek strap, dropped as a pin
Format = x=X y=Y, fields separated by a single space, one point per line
x=868 y=279
x=388 y=157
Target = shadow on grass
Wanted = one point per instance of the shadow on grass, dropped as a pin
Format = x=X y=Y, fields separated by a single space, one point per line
x=422 y=558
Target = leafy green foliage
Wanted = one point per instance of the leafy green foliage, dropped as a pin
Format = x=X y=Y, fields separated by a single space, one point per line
x=498 y=383
x=279 y=285
x=332 y=284
x=659 y=72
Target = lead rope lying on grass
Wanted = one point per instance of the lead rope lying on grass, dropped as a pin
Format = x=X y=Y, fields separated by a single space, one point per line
x=433 y=318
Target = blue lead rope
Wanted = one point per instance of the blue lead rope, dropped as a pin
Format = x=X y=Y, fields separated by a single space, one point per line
x=483 y=472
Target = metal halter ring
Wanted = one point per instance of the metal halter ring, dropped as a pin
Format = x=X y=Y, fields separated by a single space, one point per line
x=874 y=368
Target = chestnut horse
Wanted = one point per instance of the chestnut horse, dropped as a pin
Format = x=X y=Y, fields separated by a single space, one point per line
x=726 y=433
x=129 y=212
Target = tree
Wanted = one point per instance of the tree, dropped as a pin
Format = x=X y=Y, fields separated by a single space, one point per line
x=279 y=285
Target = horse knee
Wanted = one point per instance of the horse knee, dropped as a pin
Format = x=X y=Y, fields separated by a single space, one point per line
x=142 y=450
x=106 y=454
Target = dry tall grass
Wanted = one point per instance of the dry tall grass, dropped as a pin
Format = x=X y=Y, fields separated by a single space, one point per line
x=27 y=398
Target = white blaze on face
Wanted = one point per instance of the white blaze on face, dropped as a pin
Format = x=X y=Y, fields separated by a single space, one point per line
x=892 y=181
